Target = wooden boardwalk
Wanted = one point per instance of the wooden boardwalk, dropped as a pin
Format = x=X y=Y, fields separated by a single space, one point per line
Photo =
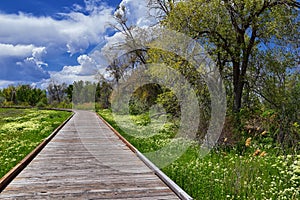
x=86 y=160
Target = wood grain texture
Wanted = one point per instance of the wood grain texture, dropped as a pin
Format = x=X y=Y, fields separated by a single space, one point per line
x=86 y=160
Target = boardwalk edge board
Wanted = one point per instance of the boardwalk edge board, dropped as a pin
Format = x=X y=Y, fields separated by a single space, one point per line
x=170 y=183
x=7 y=178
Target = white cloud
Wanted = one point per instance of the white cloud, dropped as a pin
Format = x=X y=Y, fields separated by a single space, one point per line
x=37 y=53
x=138 y=13
x=27 y=41
x=4 y=84
x=31 y=39
x=36 y=58
x=85 y=71
x=76 y=30
x=7 y=50
x=68 y=75
x=22 y=62
x=88 y=65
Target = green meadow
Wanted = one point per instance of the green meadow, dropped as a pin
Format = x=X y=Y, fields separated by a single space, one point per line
x=258 y=171
x=21 y=130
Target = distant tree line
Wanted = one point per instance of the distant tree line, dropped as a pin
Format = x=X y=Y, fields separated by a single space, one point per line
x=58 y=95
x=23 y=95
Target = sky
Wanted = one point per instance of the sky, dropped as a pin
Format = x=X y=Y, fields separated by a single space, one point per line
x=42 y=41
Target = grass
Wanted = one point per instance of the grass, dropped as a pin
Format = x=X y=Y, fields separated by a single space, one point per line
x=156 y=138
x=21 y=130
x=225 y=173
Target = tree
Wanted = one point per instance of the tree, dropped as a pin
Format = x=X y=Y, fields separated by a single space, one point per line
x=37 y=96
x=69 y=92
x=9 y=94
x=23 y=93
x=233 y=30
x=56 y=92
x=105 y=89
x=162 y=7
x=2 y=99
x=278 y=83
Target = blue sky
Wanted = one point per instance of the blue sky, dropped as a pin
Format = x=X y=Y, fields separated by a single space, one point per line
x=46 y=40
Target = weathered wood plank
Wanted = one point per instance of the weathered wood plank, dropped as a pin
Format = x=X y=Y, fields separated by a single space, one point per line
x=86 y=160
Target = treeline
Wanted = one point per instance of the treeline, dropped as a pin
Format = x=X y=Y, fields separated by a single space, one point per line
x=57 y=95
x=22 y=95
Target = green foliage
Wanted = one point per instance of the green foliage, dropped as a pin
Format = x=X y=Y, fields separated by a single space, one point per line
x=227 y=175
x=103 y=92
x=143 y=98
x=87 y=93
x=22 y=95
x=257 y=173
x=58 y=95
x=21 y=130
x=160 y=136
x=141 y=120
x=56 y=92
x=234 y=31
x=2 y=100
x=41 y=104
x=83 y=92
x=169 y=101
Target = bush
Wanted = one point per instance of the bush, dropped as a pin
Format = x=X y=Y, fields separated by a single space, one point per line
x=41 y=104
x=2 y=100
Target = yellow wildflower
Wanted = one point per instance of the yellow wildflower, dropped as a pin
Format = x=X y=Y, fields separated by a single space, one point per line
x=248 y=142
x=256 y=153
x=264 y=133
x=263 y=154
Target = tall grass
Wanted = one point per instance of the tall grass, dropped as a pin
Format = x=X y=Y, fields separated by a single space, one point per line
x=21 y=130
x=226 y=173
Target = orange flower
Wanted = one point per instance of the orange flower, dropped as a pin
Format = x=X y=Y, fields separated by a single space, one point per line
x=256 y=153
x=263 y=154
x=248 y=142
x=264 y=133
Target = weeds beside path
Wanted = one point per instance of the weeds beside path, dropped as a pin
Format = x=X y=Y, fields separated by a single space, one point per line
x=226 y=173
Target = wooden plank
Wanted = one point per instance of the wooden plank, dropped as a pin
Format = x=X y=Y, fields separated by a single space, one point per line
x=86 y=160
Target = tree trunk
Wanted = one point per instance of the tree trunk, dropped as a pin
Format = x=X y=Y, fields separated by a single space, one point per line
x=238 y=91
x=238 y=85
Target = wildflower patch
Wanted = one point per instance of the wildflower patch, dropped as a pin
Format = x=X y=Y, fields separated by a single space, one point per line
x=21 y=130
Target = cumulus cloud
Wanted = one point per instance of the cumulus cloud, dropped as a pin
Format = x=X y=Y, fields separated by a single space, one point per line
x=22 y=63
x=7 y=50
x=76 y=31
x=27 y=40
x=86 y=70
x=88 y=65
x=68 y=75
x=36 y=58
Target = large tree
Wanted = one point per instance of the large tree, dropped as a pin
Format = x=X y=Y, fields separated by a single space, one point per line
x=56 y=92
x=233 y=31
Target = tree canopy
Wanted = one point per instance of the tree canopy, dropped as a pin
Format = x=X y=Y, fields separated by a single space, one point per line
x=233 y=31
